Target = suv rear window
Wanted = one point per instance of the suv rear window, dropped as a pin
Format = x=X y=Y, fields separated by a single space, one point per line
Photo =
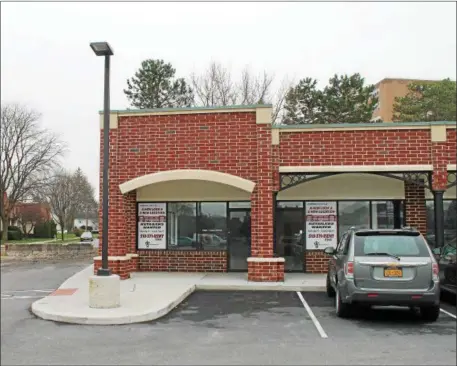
x=394 y=244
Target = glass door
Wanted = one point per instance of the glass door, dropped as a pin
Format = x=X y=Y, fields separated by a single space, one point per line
x=239 y=239
x=289 y=238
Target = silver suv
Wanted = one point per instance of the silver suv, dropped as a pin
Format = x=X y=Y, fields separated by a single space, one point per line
x=383 y=267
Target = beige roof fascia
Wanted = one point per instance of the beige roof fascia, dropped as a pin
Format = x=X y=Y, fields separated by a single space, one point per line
x=355 y=168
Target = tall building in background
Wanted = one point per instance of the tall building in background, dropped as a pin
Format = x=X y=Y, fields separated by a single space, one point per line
x=387 y=90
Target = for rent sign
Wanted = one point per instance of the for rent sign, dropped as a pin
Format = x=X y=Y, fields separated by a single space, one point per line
x=152 y=226
x=321 y=225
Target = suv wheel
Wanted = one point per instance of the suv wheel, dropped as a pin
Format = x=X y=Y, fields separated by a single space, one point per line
x=329 y=288
x=430 y=313
x=342 y=309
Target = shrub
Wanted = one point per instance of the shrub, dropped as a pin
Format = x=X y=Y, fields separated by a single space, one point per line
x=14 y=235
x=14 y=228
x=46 y=230
x=77 y=232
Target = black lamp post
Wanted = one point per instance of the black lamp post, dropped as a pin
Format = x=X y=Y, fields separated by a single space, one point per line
x=104 y=49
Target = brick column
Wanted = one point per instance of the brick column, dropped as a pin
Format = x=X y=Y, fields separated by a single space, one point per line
x=441 y=155
x=261 y=265
x=262 y=197
x=416 y=213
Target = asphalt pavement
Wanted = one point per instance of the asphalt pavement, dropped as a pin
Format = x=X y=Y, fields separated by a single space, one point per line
x=240 y=327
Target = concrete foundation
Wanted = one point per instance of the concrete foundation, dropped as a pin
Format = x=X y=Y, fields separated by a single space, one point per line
x=104 y=292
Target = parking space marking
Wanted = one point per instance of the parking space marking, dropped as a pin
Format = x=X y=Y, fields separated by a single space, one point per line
x=13 y=291
x=11 y=297
x=448 y=313
x=25 y=294
x=312 y=316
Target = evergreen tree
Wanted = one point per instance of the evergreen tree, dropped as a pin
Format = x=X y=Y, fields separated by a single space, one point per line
x=155 y=86
x=346 y=99
x=427 y=101
x=303 y=103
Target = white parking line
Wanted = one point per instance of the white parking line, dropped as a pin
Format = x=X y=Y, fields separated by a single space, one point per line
x=21 y=297
x=312 y=316
x=12 y=291
x=448 y=313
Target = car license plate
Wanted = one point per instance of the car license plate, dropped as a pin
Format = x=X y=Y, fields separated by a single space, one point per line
x=393 y=272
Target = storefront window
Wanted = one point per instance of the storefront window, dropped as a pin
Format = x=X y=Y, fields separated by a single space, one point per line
x=353 y=213
x=450 y=224
x=212 y=225
x=182 y=226
x=240 y=204
x=382 y=215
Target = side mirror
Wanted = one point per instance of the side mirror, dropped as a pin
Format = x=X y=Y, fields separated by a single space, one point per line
x=437 y=251
x=329 y=250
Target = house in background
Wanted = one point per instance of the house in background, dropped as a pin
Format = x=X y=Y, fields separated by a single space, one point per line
x=26 y=215
x=81 y=221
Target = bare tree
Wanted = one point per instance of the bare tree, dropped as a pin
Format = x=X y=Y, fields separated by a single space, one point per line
x=215 y=87
x=27 y=153
x=254 y=89
x=60 y=195
x=279 y=100
x=84 y=200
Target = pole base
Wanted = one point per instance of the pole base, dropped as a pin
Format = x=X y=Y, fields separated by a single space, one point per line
x=103 y=272
x=104 y=292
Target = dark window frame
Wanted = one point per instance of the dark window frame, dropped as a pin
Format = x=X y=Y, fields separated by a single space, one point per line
x=303 y=208
x=197 y=215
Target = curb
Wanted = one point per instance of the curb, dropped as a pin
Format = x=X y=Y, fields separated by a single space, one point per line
x=148 y=315
x=121 y=320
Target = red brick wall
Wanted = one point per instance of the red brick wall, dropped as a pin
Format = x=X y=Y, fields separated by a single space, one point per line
x=182 y=261
x=367 y=147
x=416 y=212
x=222 y=142
x=316 y=261
x=123 y=268
x=148 y=144
x=266 y=271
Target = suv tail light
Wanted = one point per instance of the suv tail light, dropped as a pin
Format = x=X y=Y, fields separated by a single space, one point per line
x=435 y=271
x=349 y=269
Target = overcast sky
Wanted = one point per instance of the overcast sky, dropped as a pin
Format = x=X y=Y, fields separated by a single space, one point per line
x=47 y=64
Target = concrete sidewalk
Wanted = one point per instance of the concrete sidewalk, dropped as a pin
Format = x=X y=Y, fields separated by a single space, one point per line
x=150 y=295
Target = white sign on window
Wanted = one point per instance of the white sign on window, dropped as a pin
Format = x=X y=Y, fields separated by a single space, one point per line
x=321 y=225
x=152 y=225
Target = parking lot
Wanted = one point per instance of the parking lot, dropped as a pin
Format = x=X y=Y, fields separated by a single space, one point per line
x=277 y=328
x=217 y=327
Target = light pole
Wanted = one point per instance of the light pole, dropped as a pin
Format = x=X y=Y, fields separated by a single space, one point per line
x=104 y=49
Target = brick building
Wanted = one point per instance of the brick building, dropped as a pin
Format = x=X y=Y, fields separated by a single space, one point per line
x=387 y=90
x=221 y=189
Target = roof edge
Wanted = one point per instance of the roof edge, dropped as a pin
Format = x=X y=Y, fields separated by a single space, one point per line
x=364 y=124
x=186 y=109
